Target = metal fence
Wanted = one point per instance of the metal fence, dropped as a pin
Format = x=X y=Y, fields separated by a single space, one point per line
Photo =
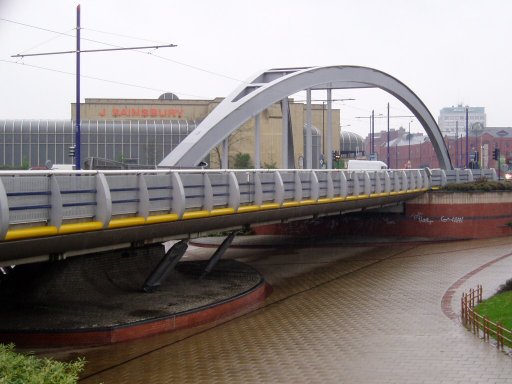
x=55 y=202
x=481 y=325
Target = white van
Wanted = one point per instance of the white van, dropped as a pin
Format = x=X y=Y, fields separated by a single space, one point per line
x=366 y=165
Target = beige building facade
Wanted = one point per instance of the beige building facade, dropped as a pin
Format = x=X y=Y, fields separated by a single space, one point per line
x=240 y=141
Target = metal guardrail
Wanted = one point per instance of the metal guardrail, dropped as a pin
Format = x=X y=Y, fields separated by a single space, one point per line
x=47 y=203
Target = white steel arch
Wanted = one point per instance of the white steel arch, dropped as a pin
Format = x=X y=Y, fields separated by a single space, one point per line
x=274 y=85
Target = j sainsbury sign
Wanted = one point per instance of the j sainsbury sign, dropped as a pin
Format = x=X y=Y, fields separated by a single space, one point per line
x=142 y=112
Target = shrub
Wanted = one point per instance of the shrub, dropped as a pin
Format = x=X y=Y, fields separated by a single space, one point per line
x=479 y=185
x=28 y=369
x=505 y=287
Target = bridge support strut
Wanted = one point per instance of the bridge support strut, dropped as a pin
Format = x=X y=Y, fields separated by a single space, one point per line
x=218 y=253
x=165 y=266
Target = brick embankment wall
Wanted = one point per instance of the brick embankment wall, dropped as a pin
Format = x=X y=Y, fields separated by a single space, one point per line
x=437 y=214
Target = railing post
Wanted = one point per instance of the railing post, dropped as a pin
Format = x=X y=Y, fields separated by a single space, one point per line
x=367 y=183
x=444 y=180
x=103 y=200
x=178 y=195
x=405 y=181
x=314 y=185
x=397 y=186
x=234 y=191
x=278 y=188
x=378 y=183
x=258 y=189
x=4 y=211
x=343 y=184
x=143 y=206
x=387 y=182
x=56 y=212
x=207 y=192
x=330 y=185
x=356 y=190
x=470 y=174
x=297 y=196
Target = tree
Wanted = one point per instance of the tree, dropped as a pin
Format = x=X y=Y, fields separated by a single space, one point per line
x=242 y=161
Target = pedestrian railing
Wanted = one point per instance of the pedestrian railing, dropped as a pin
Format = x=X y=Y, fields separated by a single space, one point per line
x=481 y=325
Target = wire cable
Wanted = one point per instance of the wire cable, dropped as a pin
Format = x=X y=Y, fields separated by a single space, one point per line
x=98 y=78
x=117 y=46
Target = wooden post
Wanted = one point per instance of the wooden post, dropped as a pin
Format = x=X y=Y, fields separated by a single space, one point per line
x=499 y=339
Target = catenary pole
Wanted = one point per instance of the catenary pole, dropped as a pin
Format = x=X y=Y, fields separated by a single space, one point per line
x=77 y=106
x=77 y=52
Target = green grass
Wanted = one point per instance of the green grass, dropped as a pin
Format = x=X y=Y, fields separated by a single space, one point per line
x=17 y=368
x=498 y=309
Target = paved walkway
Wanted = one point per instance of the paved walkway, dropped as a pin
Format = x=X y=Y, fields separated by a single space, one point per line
x=349 y=314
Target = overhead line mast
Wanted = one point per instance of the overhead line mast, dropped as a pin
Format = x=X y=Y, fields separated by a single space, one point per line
x=78 y=51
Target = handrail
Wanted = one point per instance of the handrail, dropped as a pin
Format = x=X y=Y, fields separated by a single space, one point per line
x=45 y=203
x=481 y=325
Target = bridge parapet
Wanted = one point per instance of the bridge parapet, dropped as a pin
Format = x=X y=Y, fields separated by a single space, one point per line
x=46 y=203
x=441 y=177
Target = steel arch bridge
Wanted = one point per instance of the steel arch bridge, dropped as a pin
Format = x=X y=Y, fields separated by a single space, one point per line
x=274 y=85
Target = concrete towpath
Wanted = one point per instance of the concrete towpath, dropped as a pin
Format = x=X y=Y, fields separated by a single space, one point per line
x=338 y=314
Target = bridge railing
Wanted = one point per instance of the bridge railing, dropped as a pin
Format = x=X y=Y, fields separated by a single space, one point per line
x=45 y=203
x=441 y=177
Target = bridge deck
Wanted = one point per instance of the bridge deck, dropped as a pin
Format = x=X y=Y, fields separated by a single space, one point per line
x=57 y=214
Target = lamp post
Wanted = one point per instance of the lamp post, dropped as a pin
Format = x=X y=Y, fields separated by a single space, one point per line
x=409 y=141
x=372 y=118
x=467 y=137
x=329 y=102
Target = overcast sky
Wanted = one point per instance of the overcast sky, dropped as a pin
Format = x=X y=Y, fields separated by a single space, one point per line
x=447 y=51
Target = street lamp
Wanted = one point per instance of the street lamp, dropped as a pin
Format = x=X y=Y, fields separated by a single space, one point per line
x=410 y=142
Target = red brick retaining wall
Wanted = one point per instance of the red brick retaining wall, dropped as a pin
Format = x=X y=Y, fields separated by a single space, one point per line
x=445 y=215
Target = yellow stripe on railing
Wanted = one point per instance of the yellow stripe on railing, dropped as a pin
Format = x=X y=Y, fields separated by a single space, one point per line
x=325 y=200
x=222 y=211
x=80 y=227
x=248 y=208
x=357 y=197
x=126 y=222
x=195 y=215
x=288 y=204
x=307 y=202
x=27 y=233
x=165 y=218
x=338 y=199
x=269 y=206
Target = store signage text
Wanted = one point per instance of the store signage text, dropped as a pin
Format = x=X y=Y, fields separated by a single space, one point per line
x=142 y=112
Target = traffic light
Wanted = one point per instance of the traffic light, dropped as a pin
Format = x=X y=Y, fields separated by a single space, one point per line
x=71 y=152
x=496 y=154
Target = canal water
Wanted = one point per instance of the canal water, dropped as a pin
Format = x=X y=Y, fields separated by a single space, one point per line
x=339 y=313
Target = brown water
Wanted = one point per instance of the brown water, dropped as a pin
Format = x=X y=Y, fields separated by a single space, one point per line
x=337 y=314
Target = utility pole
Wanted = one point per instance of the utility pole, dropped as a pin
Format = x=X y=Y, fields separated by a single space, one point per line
x=77 y=52
x=387 y=151
x=372 y=149
x=457 y=143
x=77 y=106
x=372 y=118
x=467 y=139
x=409 y=136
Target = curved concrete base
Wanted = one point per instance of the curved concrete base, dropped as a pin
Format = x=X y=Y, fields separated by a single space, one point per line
x=98 y=299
